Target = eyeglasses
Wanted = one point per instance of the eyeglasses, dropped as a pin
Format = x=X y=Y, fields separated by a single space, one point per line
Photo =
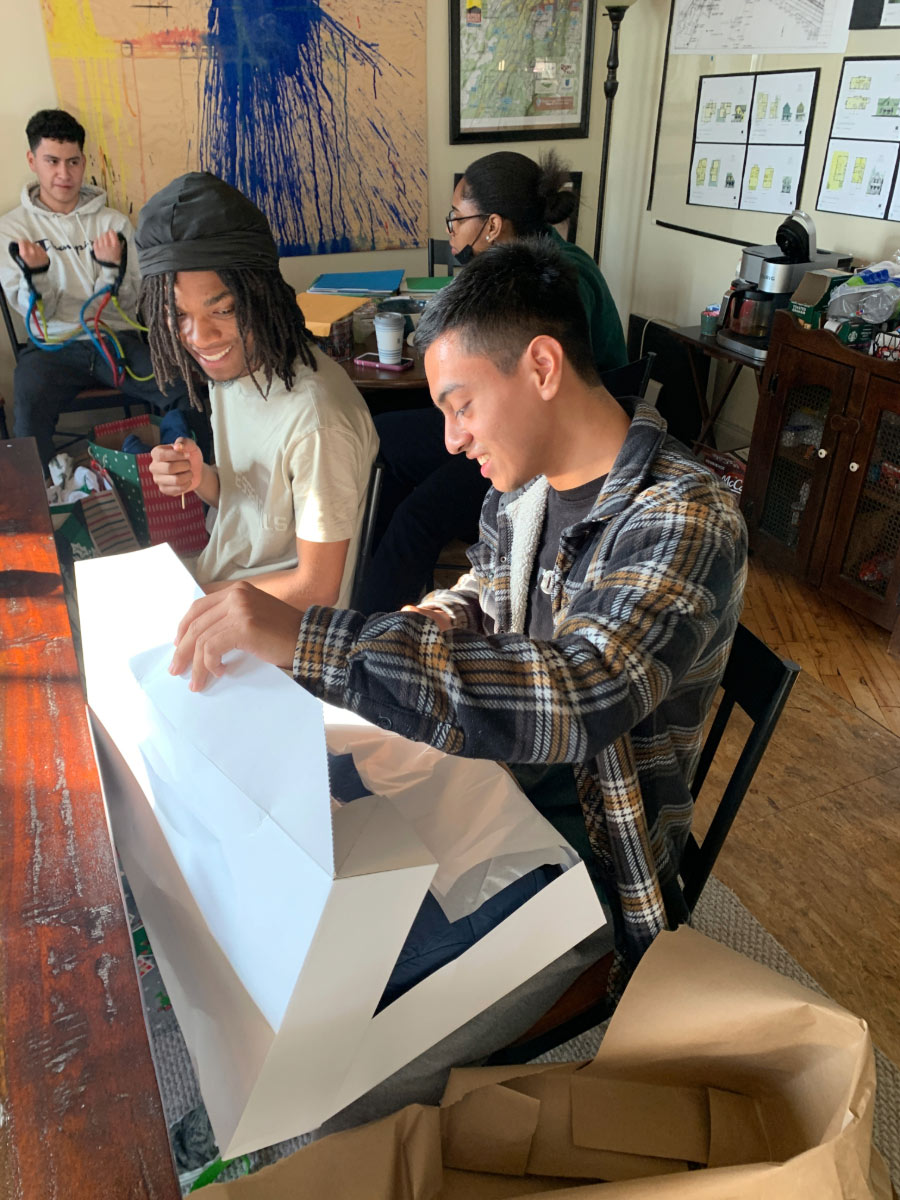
x=450 y=220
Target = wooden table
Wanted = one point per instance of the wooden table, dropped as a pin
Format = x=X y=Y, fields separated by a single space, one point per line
x=80 y=1113
x=387 y=390
x=706 y=344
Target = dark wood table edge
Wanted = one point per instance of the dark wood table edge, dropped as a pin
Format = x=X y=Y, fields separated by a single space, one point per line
x=82 y=1112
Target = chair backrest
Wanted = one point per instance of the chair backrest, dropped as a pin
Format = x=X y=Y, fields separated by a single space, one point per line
x=10 y=327
x=440 y=255
x=631 y=379
x=367 y=531
x=759 y=682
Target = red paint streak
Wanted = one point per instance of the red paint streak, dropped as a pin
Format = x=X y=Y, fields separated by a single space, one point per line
x=165 y=40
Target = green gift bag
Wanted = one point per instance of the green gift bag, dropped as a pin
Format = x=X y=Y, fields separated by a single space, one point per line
x=156 y=518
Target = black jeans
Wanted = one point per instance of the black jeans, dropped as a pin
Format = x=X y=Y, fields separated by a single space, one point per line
x=46 y=382
x=428 y=498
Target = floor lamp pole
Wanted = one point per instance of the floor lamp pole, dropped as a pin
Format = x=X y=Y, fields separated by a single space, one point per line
x=610 y=87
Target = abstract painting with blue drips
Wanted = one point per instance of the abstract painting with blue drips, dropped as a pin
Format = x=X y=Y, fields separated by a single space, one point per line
x=315 y=109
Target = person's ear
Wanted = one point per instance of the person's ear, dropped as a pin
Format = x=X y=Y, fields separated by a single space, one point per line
x=29 y=158
x=544 y=357
x=493 y=230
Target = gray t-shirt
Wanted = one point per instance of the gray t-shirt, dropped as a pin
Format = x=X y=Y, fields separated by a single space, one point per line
x=563 y=510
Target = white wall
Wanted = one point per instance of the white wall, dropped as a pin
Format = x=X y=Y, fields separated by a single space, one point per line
x=676 y=274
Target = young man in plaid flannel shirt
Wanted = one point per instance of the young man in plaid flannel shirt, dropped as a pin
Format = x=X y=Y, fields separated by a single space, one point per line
x=585 y=645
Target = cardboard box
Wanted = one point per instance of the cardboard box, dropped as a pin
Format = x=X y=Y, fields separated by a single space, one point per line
x=810 y=300
x=852 y=331
x=717 y=1078
x=275 y=915
x=730 y=469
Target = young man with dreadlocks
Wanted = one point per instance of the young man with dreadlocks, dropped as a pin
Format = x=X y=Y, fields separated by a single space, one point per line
x=584 y=648
x=294 y=441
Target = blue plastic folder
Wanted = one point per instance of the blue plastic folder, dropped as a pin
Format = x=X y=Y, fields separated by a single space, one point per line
x=359 y=283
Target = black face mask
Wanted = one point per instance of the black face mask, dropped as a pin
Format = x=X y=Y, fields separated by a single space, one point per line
x=467 y=253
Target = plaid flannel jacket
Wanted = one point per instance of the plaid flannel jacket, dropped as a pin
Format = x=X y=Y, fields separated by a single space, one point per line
x=646 y=596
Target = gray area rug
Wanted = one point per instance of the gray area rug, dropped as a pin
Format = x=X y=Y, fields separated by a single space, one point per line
x=719 y=914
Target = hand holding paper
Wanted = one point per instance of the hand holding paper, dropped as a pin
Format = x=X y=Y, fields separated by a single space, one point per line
x=240 y=617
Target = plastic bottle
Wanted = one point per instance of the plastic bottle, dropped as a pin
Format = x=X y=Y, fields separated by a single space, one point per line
x=874 y=302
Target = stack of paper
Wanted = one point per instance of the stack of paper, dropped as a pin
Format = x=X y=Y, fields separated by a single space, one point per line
x=359 y=283
x=321 y=311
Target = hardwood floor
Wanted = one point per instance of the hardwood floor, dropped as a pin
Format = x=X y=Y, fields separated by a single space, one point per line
x=847 y=653
x=815 y=851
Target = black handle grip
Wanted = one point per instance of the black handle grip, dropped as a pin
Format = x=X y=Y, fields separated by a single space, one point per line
x=25 y=269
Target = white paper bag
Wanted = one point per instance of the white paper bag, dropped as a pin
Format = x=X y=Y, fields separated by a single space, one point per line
x=277 y=917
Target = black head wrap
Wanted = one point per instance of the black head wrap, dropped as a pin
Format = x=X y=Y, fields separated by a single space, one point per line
x=201 y=223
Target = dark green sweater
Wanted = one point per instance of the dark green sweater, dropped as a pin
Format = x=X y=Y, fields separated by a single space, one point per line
x=607 y=339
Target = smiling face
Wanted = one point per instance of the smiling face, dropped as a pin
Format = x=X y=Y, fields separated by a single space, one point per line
x=501 y=421
x=207 y=325
x=59 y=167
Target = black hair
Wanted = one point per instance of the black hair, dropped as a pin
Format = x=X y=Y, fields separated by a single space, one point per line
x=267 y=315
x=529 y=195
x=507 y=296
x=55 y=124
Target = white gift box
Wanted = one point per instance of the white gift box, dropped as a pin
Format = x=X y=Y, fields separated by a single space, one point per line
x=276 y=914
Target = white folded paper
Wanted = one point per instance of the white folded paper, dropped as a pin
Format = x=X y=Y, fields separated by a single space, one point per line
x=276 y=916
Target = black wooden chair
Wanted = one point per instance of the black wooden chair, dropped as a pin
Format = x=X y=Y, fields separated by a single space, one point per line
x=367 y=532
x=440 y=255
x=757 y=681
x=88 y=399
x=631 y=379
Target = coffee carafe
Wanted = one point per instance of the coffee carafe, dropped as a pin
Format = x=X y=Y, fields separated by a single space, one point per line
x=768 y=277
x=748 y=311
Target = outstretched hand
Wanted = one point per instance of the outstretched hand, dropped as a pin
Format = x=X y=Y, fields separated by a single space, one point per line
x=240 y=617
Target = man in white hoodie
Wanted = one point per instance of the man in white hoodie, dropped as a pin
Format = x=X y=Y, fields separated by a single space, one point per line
x=60 y=221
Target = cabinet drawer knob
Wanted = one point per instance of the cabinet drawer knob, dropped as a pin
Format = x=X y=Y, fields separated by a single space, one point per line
x=854 y=466
x=823 y=453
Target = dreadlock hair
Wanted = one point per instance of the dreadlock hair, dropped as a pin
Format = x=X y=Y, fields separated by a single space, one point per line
x=268 y=317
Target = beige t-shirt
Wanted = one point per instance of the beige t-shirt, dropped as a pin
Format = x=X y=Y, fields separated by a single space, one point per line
x=293 y=464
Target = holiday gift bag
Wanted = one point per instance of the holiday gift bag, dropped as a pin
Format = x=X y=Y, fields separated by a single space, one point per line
x=95 y=523
x=277 y=915
x=156 y=518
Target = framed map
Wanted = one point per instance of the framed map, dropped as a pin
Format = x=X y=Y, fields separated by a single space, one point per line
x=520 y=70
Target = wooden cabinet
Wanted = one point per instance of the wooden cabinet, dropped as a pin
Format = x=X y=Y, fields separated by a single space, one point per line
x=822 y=493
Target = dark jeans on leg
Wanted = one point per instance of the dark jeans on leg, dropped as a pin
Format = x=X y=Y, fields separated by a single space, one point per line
x=46 y=382
x=428 y=498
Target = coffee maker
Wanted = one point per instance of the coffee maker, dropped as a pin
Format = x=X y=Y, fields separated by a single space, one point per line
x=769 y=276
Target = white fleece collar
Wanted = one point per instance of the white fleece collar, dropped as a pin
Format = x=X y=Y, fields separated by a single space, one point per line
x=526 y=516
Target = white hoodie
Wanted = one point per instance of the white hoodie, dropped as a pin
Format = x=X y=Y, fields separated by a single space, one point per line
x=73 y=274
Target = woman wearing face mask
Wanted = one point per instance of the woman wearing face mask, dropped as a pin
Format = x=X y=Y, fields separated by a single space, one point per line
x=430 y=497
